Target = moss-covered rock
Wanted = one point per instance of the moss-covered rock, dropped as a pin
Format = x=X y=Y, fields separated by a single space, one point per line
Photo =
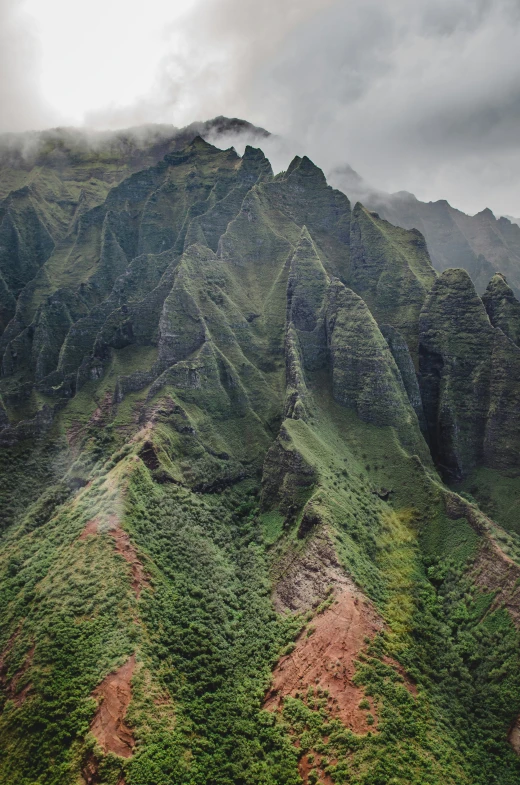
x=468 y=373
x=502 y=307
x=365 y=377
x=404 y=362
x=391 y=270
x=456 y=340
x=306 y=289
x=502 y=434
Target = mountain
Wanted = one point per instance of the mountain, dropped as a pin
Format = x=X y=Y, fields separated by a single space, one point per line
x=512 y=219
x=49 y=179
x=481 y=244
x=259 y=481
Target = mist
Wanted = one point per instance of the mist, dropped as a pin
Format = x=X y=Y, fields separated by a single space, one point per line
x=21 y=104
x=412 y=95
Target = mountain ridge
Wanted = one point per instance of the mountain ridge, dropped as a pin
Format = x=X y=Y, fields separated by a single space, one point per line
x=480 y=244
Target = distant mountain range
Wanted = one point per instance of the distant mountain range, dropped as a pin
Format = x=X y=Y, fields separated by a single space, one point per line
x=481 y=244
x=512 y=219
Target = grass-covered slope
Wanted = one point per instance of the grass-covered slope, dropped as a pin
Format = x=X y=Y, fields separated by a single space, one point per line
x=227 y=554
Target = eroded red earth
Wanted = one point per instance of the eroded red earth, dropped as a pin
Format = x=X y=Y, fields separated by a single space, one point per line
x=324 y=659
x=90 y=529
x=114 y=695
x=11 y=686
x=126 y=549
x=305 y=766
x=123 y=546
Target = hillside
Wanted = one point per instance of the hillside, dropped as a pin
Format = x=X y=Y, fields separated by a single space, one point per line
x=481 y=244
x=259 y=482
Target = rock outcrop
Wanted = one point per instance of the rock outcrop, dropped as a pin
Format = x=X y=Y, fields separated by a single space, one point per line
x=365 y=377
x=502 y=307
x=468 y=372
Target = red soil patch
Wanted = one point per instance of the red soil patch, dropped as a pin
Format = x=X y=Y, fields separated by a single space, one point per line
x=98 y=418
x=124 y=547
x=494 y=571
x=129 y=554
x=305 y=767
x=514 y=736
x=73 y=434
x=103 y=410
x=90 y=529
x=325 y=659
x=108 y=726
x=6 y=652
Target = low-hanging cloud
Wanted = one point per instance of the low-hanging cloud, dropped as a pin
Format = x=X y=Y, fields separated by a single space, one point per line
x=21 y=106
x=412 y=94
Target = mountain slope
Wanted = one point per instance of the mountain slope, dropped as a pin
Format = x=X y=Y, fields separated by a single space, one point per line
x=228 y=405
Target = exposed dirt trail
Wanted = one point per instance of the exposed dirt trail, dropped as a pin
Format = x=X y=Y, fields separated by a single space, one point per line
x=11 y=686
x=114 y=695
x=124 y=547
x=494 y=571
x=7 y=650
x=90 y=529
x=128 y=552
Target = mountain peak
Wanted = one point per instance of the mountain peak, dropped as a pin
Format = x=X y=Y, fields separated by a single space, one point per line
x=486 y=213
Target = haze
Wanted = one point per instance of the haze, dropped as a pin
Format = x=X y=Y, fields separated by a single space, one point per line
x=413 y=95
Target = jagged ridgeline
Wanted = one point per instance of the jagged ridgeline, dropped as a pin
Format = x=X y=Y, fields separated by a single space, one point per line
x=259 y=482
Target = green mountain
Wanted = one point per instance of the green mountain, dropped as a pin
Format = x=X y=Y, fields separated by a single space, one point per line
x=259 y=479
x=481 y=244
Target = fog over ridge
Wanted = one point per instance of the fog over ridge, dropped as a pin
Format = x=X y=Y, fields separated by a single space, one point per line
x=414 y=96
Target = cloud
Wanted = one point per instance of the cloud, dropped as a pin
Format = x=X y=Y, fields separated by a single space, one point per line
x=412 y=94
x=213 y=54
x=21 y=106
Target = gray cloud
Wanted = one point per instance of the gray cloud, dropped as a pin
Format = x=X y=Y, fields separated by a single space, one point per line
x=413 y=97
x=412 y=94
x=21 y=107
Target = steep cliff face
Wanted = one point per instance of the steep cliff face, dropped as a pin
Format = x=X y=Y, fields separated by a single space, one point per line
x=365 y=377
x=227 y=554
x=502 y=307
x=468 y=372
x=502 y=436
x=391 y=270
x=404 y=362
x=455 y=348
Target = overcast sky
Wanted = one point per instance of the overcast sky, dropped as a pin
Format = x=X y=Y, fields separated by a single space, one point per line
x=415 y=95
